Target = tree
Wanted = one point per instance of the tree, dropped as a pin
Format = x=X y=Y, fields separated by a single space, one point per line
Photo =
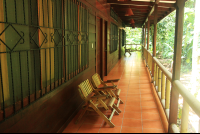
x=195 y=50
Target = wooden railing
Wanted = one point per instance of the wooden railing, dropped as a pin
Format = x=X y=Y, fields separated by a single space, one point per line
x=163 y=82
x=137 y=45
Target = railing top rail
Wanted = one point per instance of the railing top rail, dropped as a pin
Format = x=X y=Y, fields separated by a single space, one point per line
x=149 y=52
x=133 y=44
x=164 y=70
x=187 y=96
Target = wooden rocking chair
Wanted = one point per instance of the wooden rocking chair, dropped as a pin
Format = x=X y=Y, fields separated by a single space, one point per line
x=111 y=90
x=94 y=101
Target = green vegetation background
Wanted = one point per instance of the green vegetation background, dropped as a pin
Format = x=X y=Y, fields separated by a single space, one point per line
x=165 y=36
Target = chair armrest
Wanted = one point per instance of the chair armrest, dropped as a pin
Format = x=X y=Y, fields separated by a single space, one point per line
x=105 y=87
x=114 y=80
x=96 y=97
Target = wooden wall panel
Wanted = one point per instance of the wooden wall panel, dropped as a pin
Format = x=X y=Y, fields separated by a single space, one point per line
x=54 y=111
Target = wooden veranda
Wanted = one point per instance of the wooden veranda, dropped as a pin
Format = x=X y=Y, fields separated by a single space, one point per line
x=49 y=47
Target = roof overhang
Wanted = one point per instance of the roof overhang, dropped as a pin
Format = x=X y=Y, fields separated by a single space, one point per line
x=143 y=10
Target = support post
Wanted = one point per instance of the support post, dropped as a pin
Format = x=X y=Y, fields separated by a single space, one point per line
x=163 y=87
x=177 y=60
x=145 y=27
x=148 y=26
x=154 y=35
x=143 y=35
x=143 y=41
x=155 y=29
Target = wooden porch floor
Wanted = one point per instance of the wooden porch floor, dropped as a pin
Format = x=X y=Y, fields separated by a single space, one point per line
x=139 y=111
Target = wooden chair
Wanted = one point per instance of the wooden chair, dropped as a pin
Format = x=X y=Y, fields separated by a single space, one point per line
x=94 y=101
x=113 y=91
x=127 y=50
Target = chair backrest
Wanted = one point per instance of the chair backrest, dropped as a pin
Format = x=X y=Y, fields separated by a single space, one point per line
x=85 y=89
x=96 y=79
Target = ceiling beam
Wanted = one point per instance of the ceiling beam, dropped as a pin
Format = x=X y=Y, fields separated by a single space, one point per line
x=131 y=6
x=166 y=4
x=140 y=3
x=152 y=10
x=142 y=9
x=130 y=2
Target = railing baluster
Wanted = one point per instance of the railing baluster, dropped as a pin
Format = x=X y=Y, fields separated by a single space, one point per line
x=159 y=83
x=149 y=58
x=151 y=64
x=163 y=90
x=167 y=101
x=154 y=80
x=162 y=80
x=159 y=80
x=184 y=117
x=156 y=77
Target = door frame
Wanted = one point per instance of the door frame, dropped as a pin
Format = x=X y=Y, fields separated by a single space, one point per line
x=101 y=46
x=120 y=36
x=105 y=47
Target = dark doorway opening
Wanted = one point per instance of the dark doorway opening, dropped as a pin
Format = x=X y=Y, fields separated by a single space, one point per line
x=99 y=63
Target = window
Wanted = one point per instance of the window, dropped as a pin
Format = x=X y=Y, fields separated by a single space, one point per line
x=113 y=14
x=114 y=38
x=43 y=44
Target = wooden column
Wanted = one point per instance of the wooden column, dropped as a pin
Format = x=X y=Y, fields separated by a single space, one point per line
x=145 y=35
x=148 y=26
x=155 y=28
x=155 y=33
x=177 y=60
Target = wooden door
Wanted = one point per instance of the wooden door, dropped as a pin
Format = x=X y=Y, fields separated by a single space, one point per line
x=99 y=47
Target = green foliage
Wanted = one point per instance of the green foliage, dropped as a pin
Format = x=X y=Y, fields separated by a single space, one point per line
x=165 y=36
x=133 y=36
x=166 y=32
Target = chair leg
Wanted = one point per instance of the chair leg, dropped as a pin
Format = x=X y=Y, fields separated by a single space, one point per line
x=116 y=112
x=113 y=94
x=117 y=109
x=121 y=102
x=102 y=115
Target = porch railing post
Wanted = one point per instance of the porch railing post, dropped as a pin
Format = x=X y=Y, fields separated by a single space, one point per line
x=143 y=35
x=154 y=37
x=142 y=41
x=145 y=31
x=176 y=61
x=148 y=25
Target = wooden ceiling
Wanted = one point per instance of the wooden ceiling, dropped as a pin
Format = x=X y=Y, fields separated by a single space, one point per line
x=142 y=9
